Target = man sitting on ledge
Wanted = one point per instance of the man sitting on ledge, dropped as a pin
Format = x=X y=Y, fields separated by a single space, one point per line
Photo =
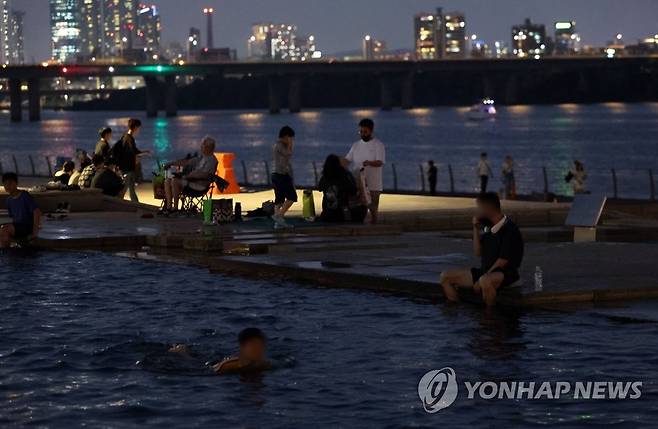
x=199 y=179
x=498 y=242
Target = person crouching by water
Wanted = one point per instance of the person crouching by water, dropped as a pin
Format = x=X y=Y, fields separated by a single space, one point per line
x=252 y=355
x=23 y=211
x=285 y=194
x=499 y=244
x=203 y=172
x=338 y=187
x=107 y=179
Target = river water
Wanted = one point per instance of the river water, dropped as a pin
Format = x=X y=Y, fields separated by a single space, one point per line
x=83 y=338
x=603 y=136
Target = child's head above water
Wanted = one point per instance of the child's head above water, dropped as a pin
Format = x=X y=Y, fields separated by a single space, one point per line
x=10 y=182
x=253 y=344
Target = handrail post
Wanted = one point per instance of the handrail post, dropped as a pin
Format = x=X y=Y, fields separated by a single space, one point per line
x=422 y=178
x=546 y=190
x=315 y=174
x=244 y=172
x=50 y=167
x=395 y=177
x=267 y=173
x=452 y=179
x=652 y=186
x=614 y=183
x=15 y=164
x=34 y=171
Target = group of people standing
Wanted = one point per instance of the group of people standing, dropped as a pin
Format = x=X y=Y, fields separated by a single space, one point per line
x=351 y=185
x=577 y=176
x=113 y=168
x=507 y=174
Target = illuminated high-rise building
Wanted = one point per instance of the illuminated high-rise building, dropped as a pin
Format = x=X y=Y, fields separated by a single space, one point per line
x=280 y=42
x=16 y=39
x=455 y=35
x=119 y=26
x=567 y=40
x=260 y=42
x=500 y=49
x=91 y=29
x=429 y=35
x=149 y=28
x=193 y=43
x=479 y=48
x=529 y=40
x=372 y=48
x=5 y=31
x=65 y=29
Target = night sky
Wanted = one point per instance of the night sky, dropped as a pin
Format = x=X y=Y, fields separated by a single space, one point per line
x=339 y=25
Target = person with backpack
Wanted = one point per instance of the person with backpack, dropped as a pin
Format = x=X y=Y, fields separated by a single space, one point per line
x=125 y=153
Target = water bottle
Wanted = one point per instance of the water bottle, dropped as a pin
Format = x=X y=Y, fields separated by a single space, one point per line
x=238 y=212
x=539 y=279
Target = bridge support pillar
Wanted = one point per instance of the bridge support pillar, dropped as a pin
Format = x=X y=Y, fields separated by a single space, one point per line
x=151 y=96
x=273 y=92
x=171 y=106
x=295 y=94
x=487 y=86
x=385 y=92
x=408 y=91
x=34 y=99
x=583 y=83
x=511 y=90
x=16 y=109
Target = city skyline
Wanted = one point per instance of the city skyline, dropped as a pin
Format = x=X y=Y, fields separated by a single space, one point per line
x=597 y=23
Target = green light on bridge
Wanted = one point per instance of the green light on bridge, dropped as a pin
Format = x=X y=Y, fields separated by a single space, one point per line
x=159 y=68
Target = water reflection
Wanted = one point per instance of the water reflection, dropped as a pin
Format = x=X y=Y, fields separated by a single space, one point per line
x=519 y=109
x=161 y=143
x=616 y=107
x=310 y=116
x=569 y=108
x=251 y=120
x=497 y=334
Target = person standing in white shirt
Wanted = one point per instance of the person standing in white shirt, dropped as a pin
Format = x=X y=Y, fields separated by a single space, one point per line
x=484 y=171
x=369 y=155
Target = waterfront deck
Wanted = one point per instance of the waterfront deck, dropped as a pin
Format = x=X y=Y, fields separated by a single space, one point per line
x=419 y=237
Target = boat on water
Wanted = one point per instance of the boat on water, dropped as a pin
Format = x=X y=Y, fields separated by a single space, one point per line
x=483 y=110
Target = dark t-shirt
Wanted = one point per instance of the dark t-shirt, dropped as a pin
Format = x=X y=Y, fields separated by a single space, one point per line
x=506 y=244
x=21 y=209
x=124 y=153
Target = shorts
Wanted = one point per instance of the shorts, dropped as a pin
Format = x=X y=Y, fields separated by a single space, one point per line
x=22 y=230
x=509 y=276
x=284 y=189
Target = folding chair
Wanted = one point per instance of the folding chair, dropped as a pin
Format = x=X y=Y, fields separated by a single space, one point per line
x=192 y=200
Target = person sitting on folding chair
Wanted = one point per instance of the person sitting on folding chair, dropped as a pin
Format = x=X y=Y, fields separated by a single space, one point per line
x=198 y=180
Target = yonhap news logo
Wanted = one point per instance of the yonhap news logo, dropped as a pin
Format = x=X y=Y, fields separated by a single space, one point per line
x=438 y=389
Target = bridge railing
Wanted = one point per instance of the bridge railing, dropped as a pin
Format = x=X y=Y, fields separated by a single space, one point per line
x=463 y=179
x=406 y=177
